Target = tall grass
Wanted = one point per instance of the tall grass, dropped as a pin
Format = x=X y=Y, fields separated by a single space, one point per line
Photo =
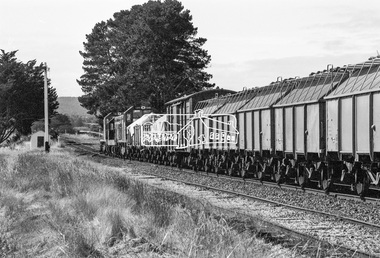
x=76 y=208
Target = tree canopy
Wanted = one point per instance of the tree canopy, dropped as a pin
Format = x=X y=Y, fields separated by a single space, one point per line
x=21 y=95
x=144 y=56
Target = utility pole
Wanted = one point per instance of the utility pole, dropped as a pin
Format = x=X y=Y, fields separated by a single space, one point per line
x=47 y=146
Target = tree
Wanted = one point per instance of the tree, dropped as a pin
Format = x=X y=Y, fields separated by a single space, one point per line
x=147 y=55
x=76 y=121
x=61 y=124
x=21 y=95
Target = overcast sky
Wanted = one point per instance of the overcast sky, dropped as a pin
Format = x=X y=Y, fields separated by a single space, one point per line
x=251 y=42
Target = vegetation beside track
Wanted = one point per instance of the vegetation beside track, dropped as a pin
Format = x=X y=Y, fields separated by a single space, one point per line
x=58 y=205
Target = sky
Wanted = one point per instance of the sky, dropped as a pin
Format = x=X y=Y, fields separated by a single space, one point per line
x=251 y=42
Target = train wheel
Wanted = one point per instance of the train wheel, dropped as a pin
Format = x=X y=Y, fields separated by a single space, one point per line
x=206 y=169
x=200 y=166
x=242 y=173
x=362 y=187
x=302 y=181
x=260 y=175
x=278 y=178
x=302 y=178
x=326 y=185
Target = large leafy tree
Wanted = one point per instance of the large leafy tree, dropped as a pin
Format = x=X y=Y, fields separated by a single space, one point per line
x=21 y=95
x=59 y=123
x=147 y=55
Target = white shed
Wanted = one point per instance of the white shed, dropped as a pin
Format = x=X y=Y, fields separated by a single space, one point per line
x=37 y=140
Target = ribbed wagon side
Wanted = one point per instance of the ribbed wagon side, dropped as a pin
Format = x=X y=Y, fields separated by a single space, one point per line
x=300 y=126
x=256 y=127
x=353 y=121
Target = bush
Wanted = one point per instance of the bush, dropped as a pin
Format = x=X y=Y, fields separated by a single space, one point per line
x=30 y=172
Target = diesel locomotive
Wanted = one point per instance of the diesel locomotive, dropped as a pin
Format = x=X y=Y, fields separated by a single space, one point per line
x=320 y=130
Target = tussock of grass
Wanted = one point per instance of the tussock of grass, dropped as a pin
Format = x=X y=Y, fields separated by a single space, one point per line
x=10 y=209
x=84 y=209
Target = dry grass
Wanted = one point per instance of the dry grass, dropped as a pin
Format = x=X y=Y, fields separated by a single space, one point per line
x=56 y=205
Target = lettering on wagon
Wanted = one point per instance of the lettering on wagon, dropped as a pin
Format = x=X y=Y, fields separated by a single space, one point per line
x=181 y=131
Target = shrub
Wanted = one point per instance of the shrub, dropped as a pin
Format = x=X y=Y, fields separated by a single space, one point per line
x=137 y=193
x=118 y=227
x=84 y=207
x=62 y=182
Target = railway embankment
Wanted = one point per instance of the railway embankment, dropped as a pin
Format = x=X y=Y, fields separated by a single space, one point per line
x=62 y=205
x=338 y=227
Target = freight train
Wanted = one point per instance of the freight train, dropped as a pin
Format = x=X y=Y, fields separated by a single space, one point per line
x=321 y=130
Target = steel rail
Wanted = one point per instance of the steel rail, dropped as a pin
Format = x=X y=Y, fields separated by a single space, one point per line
x=355 y=221
x=294 y=187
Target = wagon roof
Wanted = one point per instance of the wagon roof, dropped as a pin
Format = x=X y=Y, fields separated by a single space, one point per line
x=362 y=77
x=313 y=88
x=201 y=104
x=198 y=93
x=269 y=95
x=225 y=104
x=235 y=101
x=209 y=106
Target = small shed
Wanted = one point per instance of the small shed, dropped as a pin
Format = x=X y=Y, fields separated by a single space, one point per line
x=37 y=140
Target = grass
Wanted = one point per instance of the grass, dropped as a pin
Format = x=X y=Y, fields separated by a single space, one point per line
x=57 y=205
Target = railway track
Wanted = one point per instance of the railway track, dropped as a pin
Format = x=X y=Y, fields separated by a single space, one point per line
x=363 y=223
x=293 y=187
x=87 y=148
x=323 y=228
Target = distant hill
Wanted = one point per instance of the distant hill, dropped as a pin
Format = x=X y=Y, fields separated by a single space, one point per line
x=70 y=106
